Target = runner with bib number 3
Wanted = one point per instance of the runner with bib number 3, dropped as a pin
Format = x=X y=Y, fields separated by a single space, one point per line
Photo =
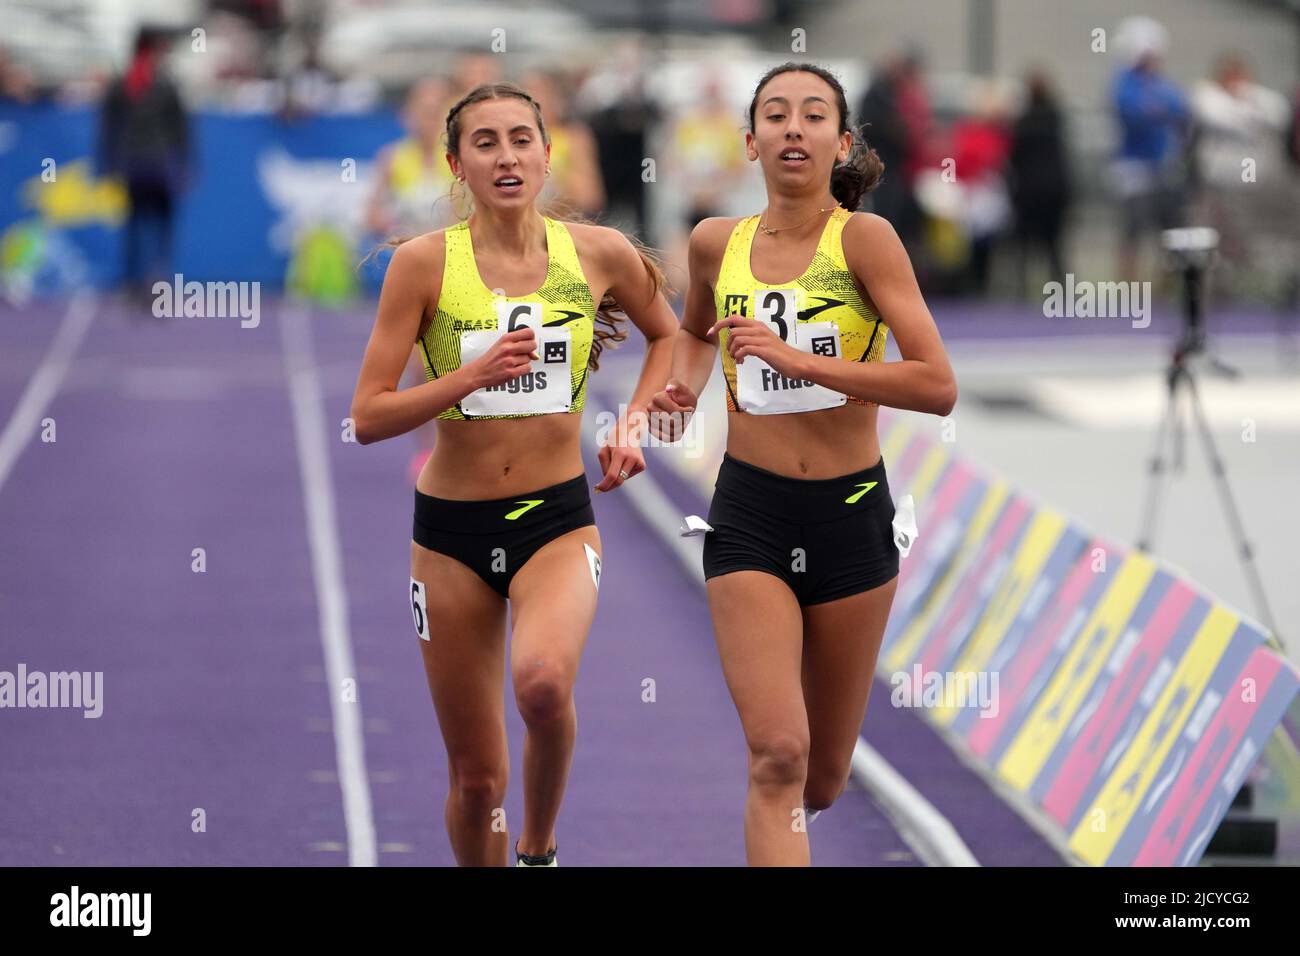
x=502 y=510
x=801 y=563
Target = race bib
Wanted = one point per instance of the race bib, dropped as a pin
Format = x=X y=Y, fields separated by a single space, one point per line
x=761 y=389
x=419 y=609
x=546 y=387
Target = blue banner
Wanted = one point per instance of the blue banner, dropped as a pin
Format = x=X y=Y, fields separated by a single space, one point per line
x=261 y=187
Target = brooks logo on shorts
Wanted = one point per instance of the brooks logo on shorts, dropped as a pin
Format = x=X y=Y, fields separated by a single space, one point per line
x=526 y=505
x=865 y=486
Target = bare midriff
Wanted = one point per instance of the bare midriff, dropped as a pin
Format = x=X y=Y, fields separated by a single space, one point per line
x=821 y=444
x=495 y=458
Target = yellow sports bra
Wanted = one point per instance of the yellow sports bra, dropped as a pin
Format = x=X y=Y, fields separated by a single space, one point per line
x=470 y=316
x=825 y=292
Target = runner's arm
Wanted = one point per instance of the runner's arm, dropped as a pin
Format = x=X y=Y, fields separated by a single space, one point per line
x=379 y=409
x=923 y=380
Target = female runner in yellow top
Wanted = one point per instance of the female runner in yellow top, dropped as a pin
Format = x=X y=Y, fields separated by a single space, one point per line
x=504 y=309
x=801 y=562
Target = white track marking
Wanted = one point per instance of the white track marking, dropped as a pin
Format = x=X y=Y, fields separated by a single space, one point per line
x=310 y=430
x=40 y=391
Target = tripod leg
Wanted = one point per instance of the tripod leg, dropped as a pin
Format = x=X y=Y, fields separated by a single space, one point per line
x=1230 y=509
x=1156 y=478
x=1178 y=444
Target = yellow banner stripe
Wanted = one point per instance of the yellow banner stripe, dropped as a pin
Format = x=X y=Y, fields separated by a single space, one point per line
x=902 y=653
x=895 y=441
x=1075 y=675
x=931 y=468
x=1045 y=530
x=1101 y=827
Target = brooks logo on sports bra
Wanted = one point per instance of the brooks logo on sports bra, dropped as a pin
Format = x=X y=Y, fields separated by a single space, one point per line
x=470 y=317
x=821 y=312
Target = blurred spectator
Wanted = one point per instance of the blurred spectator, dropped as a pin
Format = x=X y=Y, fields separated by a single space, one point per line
x=309 y=86
x=1290 y=304
x=471 y=70
x=413 y=181
x=575 y=181
x=144 y=140
x=914 y=107
x=16 y=81
x=981 y=142
x=887 y=134
x=1040 y=180
x=1244 y=189
x=897 y=111
x=707 y=152
x=1293 y=131
x=264 y=15
x=1150 y=175
x=621 y=129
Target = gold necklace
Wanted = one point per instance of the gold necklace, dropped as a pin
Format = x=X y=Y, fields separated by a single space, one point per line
x=773 y=232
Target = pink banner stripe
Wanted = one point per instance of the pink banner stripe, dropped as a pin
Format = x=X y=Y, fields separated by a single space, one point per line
x=952 y=487
x=1183 y=804
x=937 y=645
x=1089 y=750
x=908 y=462
x=1037 y=645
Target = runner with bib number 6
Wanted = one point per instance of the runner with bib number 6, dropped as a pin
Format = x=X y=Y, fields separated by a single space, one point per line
x=801 y=563
x=502 y=510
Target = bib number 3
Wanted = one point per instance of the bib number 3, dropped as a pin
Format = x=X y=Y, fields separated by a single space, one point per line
x=762 y=390
x=544 y=388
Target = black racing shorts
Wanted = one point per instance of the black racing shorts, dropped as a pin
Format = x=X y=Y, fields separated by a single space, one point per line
x=826 y=538
x=496 y=536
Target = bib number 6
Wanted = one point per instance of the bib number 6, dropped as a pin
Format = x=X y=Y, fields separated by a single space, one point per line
x=523 y=314
x=544 y=388
x=419 y=610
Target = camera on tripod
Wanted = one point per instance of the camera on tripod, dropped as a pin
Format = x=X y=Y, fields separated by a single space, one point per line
x=1192 y=246
x=1190 y=250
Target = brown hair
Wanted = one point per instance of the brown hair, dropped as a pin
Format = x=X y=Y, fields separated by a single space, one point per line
x=861 y=172
x=608 y=312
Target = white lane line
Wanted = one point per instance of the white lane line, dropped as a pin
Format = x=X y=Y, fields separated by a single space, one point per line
x=923 y=828
x=309 y=429
x=927 y=831
x=35 y=400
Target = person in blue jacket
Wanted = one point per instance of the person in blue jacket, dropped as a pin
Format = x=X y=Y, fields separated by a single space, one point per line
x=1149 y=170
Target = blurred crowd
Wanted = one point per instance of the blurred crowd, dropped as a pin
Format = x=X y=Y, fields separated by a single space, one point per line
x=1224 y=154
x=984 y=199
